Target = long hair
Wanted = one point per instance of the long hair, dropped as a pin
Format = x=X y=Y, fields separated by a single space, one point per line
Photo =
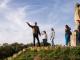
x=67 y=27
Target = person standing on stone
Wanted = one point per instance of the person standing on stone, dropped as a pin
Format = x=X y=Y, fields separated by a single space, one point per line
x=67 y=34
x=36 y=32
x=52 y=36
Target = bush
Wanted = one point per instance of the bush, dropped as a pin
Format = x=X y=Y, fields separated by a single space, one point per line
x=8 y=50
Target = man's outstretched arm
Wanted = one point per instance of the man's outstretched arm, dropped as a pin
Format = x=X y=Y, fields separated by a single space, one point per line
x=29 y=25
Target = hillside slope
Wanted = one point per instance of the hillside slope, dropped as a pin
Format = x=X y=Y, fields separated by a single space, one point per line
x=50 y=53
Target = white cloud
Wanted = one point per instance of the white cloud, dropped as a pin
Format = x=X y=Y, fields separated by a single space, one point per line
x=38 y=10
x=16 y=16
x=3 y=3
x=13 y=28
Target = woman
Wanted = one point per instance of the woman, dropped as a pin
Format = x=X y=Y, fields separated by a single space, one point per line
x=67 y=34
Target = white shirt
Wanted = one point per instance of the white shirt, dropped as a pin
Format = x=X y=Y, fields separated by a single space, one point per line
x=52 y=35
x=44 y=36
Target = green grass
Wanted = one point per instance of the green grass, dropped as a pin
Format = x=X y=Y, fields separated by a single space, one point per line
x=50 y=53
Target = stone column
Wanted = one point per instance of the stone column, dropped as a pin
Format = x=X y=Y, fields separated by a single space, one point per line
x=74 y=36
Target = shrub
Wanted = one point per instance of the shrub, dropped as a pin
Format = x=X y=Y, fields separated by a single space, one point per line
x=8 y=50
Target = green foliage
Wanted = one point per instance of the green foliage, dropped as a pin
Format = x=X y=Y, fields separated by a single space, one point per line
x=8 y=50
x=45 y=53
x=53 y=53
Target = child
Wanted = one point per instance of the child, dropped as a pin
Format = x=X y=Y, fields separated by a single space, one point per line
x=44 y=38
x=52 y=36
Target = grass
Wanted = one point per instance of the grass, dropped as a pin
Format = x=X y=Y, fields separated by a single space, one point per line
x=50 y=53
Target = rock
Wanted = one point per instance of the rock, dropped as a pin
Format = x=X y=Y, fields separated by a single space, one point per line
x=37 y=58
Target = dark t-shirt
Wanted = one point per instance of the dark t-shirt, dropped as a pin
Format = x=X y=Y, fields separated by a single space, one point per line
x=35 y=30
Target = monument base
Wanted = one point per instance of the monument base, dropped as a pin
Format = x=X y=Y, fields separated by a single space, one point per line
x=73 y=39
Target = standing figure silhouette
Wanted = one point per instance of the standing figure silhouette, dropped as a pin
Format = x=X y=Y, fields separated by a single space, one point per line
x=36 y=32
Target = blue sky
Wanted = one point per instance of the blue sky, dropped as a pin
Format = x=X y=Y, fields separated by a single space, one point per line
x=48 y=13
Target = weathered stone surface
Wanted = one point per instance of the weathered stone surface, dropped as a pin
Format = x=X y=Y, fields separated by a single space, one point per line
x=73 y=39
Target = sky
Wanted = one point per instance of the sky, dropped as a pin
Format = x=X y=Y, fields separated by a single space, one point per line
x=47 y=13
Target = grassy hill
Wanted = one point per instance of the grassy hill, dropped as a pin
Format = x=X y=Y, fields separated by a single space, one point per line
x=50 y=53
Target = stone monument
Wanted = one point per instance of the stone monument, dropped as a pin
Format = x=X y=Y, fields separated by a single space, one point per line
x=74 y=37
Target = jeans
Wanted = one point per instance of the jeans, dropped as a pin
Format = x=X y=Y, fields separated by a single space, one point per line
x=35 y=36
x=45 y=42
x=67 y=37
x=52 y=42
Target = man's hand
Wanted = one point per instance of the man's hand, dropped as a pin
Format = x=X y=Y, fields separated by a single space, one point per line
x=27 y=22
x=39 y=34
x=29 y=25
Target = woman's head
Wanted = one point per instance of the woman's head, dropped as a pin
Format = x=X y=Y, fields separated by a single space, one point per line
x=66 y=26
x=44 y=32
x=52 y=29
